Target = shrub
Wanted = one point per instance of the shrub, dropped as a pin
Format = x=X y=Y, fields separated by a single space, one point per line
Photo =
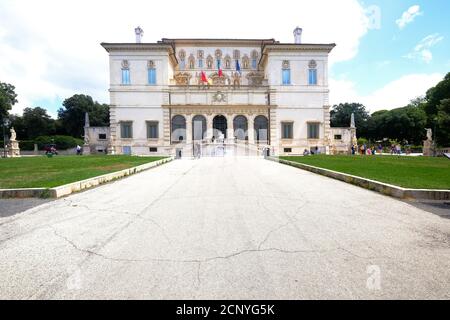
x=62 y=142
x=362 y=141
x=27 y=145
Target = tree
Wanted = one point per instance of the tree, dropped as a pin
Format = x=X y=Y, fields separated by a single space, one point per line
x=8 y=98
x=435 y=95
x=402 y=124
x=443 y=121
x=341 y=116
x=37 y=123
x=72 y=116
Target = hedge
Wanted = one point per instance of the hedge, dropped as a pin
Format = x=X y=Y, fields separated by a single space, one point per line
x=62 y=142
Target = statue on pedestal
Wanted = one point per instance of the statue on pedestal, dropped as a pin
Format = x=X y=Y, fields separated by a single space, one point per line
x=13 y=147
x=13 y=135
x=86 y=146
x=428 y=144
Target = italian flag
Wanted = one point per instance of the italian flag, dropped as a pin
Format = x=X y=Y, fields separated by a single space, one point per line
x=205 y=78
x=219 y=67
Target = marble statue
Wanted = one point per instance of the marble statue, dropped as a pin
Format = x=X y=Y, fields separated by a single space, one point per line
x=13 y=134
x=429 y=134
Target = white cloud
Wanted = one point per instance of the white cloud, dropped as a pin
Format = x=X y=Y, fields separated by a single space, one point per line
x=422 y=50
x=52 y=48
x=395 y=94
x=408 y=16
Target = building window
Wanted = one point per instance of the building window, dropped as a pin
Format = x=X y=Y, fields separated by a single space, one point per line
x=182 y=64
x=287 y=150
x=255 y=57
x=152 y=76
x=152 y=130
x=102 y=136
x=126 y=130
x=313 y=130
x=153 y=150
x=287 y=130
x=286 y=76
x=338 y=137
x=126 y=150
x=125 y=72
x=126 y=76
x=200 y=63
x=312 y=77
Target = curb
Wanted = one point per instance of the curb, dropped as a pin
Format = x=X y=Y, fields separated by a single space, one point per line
x=380 y=187
x=65 y=190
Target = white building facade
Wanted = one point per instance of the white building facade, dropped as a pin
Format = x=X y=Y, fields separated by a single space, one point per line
x=268 y=96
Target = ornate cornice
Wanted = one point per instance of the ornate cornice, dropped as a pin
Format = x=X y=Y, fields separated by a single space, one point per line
x=110 y=47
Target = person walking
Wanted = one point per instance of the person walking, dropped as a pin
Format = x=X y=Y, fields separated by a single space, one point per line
x=78 y=150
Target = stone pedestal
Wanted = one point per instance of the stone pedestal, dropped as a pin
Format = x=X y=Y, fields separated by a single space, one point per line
x=13 y=149
x=428 y=148
x=111 y=150
x=86 y=149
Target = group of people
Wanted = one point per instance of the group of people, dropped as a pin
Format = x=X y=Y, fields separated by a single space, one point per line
x=367 y=150
x=372 y=150
x=396 y=149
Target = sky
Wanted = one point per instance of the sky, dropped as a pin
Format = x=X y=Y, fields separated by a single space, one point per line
x=388 y=52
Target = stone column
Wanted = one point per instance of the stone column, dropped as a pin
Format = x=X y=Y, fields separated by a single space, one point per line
x=166 y=127
x=188 y=129
x=230 y=127
x=251 y=129
x=209 y=127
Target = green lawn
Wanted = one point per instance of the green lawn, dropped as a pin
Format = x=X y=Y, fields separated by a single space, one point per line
x=408 y=172
x=43 y=172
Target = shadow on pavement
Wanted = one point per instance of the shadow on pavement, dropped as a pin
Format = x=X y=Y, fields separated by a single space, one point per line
x=10 y=207
x=440 y=208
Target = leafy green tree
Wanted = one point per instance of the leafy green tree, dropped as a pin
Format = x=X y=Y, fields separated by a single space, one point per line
x=403 y=124
x=435 y=95
x=443 y=121
x=341 y=116
x=72 y=116
x=37 y=122
x=8 y=98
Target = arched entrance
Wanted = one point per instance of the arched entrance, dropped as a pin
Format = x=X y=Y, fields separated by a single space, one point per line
x=240 y=128
x=220 y=127
x=198 y=128
x=261 y=129
x=178 y=129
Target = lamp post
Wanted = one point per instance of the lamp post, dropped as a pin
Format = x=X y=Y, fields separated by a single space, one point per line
x=5 y=124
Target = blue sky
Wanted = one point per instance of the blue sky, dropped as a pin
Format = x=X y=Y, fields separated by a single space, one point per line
x=383 y=53
x=50 y=49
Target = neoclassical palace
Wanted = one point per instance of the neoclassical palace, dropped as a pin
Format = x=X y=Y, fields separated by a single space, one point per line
x=187 y=97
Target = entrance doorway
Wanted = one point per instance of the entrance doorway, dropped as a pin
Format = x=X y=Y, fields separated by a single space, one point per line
x=220 y=127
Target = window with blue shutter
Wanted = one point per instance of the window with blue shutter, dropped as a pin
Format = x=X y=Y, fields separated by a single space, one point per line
x=152 y=76
x=126 y=76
